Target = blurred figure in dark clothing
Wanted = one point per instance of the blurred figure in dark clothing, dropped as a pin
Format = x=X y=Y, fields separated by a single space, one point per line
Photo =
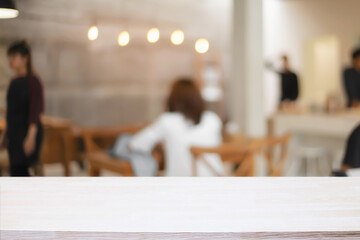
x=351 y=79
x=25 y=105
x=352 y=154
x=289 y=83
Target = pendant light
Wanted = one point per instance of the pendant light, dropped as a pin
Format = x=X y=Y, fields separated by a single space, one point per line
x=177 y=37
x=8 y=9
x=123 y=38
x=153 y=35
x=202 y=45
x=93 y=33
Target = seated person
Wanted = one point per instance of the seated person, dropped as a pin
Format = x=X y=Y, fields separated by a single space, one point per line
x=352 y=154
x=351 y=79
x=185 y=124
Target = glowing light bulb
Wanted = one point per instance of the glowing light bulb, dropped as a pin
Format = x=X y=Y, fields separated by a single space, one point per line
x=153 y=35
x=6 y=13
x=177 y=37
x=93 y=33
x=202 y=45
x=124 y=38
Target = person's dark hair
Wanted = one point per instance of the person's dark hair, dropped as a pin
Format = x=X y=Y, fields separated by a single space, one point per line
x=22 y=48
x=185 y=98
x=356 y=53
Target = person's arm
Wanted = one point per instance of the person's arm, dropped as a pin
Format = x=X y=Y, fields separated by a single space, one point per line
x=148 y=138
x=29 y=142
x=270 y=66
x=35 y=111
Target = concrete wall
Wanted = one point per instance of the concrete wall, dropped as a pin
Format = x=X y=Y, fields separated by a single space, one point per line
x=105 y=86
x=100 y=83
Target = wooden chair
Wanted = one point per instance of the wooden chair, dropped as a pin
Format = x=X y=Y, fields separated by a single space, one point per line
x=4 y=161
x=276 y=168
x=241 y=153
x=97 y=140
x=4 y=165
x=60 y=143
x=4 y=158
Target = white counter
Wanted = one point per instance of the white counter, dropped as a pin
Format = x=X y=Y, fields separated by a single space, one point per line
x=328 y=125
x=328 y=132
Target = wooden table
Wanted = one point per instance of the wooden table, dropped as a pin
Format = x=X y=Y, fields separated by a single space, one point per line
x=180 y=208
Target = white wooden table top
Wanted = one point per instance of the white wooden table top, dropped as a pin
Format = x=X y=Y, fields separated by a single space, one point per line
x=208 y=205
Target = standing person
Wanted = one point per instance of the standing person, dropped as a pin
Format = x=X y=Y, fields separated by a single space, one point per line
x=25 y=104
x=289 y=84
x=351 y=79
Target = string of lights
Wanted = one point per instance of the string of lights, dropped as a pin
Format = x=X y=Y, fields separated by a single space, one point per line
x=202 y=45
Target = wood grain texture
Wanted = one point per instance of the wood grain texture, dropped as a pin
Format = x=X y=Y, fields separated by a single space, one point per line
x=209 y=205
x=28 y=235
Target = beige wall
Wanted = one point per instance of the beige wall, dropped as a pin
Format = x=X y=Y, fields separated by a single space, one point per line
x=290 y=25
x=321 y=73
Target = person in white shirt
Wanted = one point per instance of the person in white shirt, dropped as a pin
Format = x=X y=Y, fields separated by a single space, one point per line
x=185 y=124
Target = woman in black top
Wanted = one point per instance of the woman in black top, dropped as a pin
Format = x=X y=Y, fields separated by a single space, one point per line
x=25 y=104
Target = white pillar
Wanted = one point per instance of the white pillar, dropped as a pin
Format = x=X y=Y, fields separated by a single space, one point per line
x=246 y=87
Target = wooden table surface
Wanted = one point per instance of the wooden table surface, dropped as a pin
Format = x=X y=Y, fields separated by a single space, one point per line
x=180 y=208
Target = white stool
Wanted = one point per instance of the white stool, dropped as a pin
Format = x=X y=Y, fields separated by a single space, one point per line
x=337 y=158
x=315 y=160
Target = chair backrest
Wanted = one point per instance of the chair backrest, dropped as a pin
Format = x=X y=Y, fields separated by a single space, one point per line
x=235 y=152
x=228 y=137
x=96 y=139
x=55 y=147
x=276 y=166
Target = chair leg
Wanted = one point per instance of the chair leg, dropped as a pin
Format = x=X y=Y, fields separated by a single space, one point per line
x=67 y=153
x=39 y=169
x=194 y=167
x=94 y=172
x=306 y=161
x=128 y=174
x=246 y=168
x=324 y=166
x=67 y=172
x=311 y=167
x=276 y=172
x=251 y=160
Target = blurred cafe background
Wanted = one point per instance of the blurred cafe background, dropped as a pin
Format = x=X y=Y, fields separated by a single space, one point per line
x=274 y=72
